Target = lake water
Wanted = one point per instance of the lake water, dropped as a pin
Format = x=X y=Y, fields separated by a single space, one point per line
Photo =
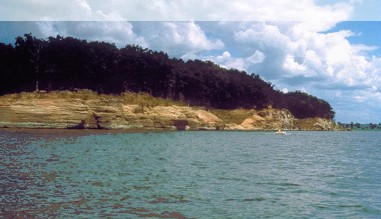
x=74 y=174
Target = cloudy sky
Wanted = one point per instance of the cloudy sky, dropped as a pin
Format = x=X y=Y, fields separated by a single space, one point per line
x=330 y=49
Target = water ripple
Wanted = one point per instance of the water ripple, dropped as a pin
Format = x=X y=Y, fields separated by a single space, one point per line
x=190 y=175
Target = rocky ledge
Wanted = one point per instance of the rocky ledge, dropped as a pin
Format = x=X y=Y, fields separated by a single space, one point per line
x=103 y=112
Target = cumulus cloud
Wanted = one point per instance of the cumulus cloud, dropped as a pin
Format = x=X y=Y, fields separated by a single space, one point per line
x=241 y=63
x=257 y=58
x=54 y=10
x=312 y=54
x=181 y=39
x=119 y=33
x=217 y=10
x=178 y=39
x=296 y=57
x=227 y=61
x=180 y=10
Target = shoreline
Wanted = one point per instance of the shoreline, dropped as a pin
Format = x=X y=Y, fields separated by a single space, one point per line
x=126 y=131
x=85 y=110
x=75 y=132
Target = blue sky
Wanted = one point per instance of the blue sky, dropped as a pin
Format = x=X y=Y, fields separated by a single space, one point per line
x=366 y=32
x=330 y=49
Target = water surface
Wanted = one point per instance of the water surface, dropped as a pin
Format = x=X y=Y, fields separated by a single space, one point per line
x=190 y=174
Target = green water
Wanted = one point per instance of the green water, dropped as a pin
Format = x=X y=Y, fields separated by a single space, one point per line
x=190 y=175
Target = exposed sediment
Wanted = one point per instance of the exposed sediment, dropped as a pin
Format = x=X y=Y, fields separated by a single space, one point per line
x=102 y=112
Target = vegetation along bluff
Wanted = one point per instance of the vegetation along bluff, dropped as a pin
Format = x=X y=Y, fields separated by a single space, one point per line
x=64 y=82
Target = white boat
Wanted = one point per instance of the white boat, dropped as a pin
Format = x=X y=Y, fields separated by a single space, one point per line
x=280 y=132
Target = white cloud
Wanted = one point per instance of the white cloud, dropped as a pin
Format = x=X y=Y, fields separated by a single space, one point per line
x=286 y=10
x=257 y=58
x=120 y=33
x=309 y=59
x=291 y=52
x=179 y=10
x=84 y=5
x=54 y=10
x=261 y=34
x=284 y=90
x=241 y=63
x=291 y=65
x=227 y=61
x=179 y=39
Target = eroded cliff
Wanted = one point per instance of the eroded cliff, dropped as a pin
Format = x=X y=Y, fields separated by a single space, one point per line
x=55 y=110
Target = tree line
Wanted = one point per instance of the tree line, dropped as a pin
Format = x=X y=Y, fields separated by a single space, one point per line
x=358 y=126
x=67 y=63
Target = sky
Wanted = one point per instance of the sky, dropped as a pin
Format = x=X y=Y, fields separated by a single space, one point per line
x=330 y=49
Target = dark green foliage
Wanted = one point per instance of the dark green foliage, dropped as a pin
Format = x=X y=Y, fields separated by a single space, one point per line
x=8 y=69
x=67 y=63
x=302 y=105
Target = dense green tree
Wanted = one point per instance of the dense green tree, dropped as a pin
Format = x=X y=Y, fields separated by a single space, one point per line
x=67 y=63
x=302 y=105
x=8 y=69
x=30 y=48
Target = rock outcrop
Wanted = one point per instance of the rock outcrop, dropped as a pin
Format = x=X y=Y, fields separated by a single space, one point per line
x=316 y=124
x=102 y=112
x=267 y=119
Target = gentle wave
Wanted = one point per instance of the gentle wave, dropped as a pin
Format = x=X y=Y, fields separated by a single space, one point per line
x=190 y=175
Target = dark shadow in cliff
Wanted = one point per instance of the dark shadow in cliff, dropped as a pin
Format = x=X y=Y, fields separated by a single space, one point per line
x=181 y=124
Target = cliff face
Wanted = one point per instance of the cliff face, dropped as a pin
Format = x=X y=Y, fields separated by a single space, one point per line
x=101 y=113
x=267 y=119
x=275 y=119
x=114 y=113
